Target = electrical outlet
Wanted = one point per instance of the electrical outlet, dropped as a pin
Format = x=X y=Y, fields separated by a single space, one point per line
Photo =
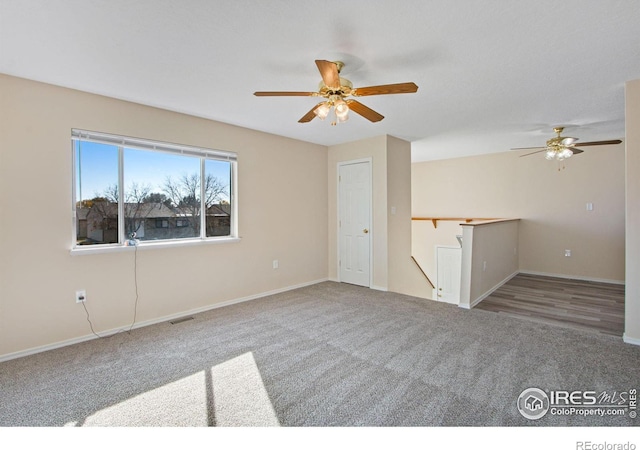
x=567 y=253
x=276 y=264
x=484 y=266
x=81 y=296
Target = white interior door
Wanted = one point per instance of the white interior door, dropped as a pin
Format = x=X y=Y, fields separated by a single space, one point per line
x=354 y=217
x=448 y=267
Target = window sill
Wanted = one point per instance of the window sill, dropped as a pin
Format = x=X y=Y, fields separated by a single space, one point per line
x=96 y=249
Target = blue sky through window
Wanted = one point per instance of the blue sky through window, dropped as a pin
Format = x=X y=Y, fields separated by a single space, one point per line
x=97 y=168
x=151 y=169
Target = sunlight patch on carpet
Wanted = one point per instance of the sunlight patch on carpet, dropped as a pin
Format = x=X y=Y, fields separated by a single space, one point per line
x=231 y=395
x=180 y=403
x=240 y=397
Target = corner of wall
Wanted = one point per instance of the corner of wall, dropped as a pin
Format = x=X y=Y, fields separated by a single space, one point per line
x=632 y=207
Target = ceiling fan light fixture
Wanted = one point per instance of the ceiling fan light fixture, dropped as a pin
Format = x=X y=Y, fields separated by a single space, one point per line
x=550 y=154
x=341 y=106
x=342 y=110
x=322 y=111
x=343 y=117
x=566 y=153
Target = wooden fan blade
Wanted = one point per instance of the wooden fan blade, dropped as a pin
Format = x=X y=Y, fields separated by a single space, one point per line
x=329 y=72
x=364 y=111
x=533 y=153
x=612 y=142
x=576 y=151
x=284 y=94
x=398 y=88
x=308 y=117
x=529 y=148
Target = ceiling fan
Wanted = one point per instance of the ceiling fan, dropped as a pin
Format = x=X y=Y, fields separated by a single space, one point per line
x=562 y=147
x=336 y=90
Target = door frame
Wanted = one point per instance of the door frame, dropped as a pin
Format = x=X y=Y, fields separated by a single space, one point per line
x=369 y=161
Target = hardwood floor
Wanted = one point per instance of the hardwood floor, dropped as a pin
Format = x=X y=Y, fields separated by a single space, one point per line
x=584 y=305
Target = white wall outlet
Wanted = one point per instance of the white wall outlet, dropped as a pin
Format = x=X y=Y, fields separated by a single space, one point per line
x=484 y=266
x=393 y=210
x=276 y=264
x=589 y=206
x=567 y=253
x=81 y=296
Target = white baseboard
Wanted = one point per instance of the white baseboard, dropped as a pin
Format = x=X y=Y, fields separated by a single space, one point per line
x=630 y=340
x=373 y=286
x=489 y=292
x=146 y=323
x=571 y=277
x=379 y=288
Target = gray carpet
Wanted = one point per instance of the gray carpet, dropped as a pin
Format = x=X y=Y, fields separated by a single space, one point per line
x=326 y=355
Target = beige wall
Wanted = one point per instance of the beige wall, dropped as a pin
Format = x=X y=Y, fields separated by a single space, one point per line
x=550 y=202
x=404 y=275
x=555 y=218
x=391 y=234
x=475 y=187
x=632 y=141
x=38 y=276
x=374 y=148
x=489 y=259
x=425 y=238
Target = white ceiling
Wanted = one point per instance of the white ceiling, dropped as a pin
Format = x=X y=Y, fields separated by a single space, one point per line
x=492 y=74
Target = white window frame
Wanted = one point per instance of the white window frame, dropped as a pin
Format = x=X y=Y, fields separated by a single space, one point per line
x=122 y=142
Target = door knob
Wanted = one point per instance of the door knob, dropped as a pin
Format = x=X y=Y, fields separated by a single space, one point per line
x=365 y=231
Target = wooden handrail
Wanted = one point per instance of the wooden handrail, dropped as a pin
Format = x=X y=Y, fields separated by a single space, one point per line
x=434 y=220
x=425 y=275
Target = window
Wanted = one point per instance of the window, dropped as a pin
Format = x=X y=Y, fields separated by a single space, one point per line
x=153 y=191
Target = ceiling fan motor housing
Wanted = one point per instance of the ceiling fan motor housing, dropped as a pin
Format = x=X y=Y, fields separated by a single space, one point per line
x=345 y=89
